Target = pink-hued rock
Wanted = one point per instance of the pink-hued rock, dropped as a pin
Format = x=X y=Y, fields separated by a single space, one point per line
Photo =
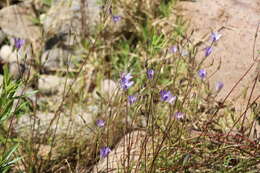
x=238 y=20
x=131 y=147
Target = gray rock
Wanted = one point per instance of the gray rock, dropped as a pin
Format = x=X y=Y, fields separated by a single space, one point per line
x=57 y=59
x=16 y=21
x=52 y=59
x=9 y=55
x=109 y=89
x=66 y=17
x=49 y=84
x=17 y=70
x=5 y=53
x=66 y=122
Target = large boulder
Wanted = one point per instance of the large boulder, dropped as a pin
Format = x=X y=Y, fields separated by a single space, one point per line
x=71 y=16
x=237 y=22
x=17 y=21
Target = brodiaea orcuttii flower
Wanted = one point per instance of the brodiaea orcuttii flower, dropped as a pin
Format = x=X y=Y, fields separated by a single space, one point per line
x=173 y=49
x=166 y=96
x=18 y=42
x=125 y=81
x=179 y=115
x=215 y=36
x=100 y=123
x=116 y=18
x=150 y=73
x=132 y=99
x=219 y=86
x=208 y=51
x=104 y=151
x=202 y=73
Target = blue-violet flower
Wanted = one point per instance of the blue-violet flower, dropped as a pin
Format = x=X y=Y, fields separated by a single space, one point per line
x=132 y=99
x=202 y=73
x=150 y=73
x=18 y=42
x=104 y=151
x=208 y=51
x=179 y=115
x=116 y=18
x=219 y=86
x=125 y=81
x=215 y=36
x=100 y=123
x=173 y=49
x=166 y=96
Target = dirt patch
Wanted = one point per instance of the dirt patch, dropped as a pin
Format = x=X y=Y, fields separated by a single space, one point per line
x=237 y=21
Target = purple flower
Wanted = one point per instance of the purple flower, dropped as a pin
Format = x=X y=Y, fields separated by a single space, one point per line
x=104 y=151
x=100 y=123
x=150 y=73
x=179 y=115
x=125 y=81
x=166 y=96
x=116 y=18
x=208 y=51
x=202 y=73
x=132 y=99
x=19 y=42
x=173 y=49
x=219 y=86
x=215 y=36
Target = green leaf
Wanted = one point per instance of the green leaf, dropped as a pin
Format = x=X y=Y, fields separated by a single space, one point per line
x=6 y=160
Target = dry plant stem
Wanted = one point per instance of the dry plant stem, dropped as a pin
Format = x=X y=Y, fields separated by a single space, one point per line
x=68 y=165
x=242 y=115
x=169 y=126
x=248 y=102
x=91 y=49
x=143 y=148
x=16 y=106
x=57 y=112
x=56 y=126
x=158 y=149
x=188 y=90
x=254 y=46
x=83 y=4
x=257 y=76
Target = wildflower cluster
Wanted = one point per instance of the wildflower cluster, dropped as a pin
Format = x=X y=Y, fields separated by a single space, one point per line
x=125 y=83
x=215 y=36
